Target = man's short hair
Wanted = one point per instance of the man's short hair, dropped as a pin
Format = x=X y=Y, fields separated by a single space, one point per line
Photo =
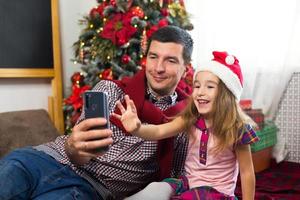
x=177 y=35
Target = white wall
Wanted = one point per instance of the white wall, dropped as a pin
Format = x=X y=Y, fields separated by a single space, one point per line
x=70 y=13
x=17 y=94
x=21 y=94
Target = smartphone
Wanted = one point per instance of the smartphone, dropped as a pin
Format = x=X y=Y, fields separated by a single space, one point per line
x=96 y=105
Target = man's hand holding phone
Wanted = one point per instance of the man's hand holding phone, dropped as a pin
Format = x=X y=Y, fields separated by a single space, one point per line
x=91 y=137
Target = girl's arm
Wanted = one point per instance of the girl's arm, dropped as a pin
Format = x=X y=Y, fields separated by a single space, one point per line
x=132 y=123
x=157 y=132
x=247 y=175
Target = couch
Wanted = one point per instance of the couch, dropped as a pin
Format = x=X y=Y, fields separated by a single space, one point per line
x=25 y=128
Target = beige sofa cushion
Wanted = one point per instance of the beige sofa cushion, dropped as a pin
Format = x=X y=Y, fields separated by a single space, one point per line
x=24 y=128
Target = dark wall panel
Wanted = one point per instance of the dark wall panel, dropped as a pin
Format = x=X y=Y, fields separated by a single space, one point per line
x=25 y=34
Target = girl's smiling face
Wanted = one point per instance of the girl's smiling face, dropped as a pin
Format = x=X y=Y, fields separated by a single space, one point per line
x=205 y=90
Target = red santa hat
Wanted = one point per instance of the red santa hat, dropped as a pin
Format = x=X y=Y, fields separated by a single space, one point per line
x=227 y=68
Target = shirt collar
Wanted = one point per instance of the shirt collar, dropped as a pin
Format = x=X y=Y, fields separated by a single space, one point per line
x=170 y=99
x=200 y=124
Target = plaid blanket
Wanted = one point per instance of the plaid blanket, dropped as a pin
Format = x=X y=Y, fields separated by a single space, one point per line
x=280 y=181
x=183 y=192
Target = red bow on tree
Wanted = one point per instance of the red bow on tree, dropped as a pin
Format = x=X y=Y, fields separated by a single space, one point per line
x=76 y=98
x=119 y=29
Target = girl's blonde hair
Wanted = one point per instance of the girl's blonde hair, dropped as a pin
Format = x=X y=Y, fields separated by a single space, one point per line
x=228 y=119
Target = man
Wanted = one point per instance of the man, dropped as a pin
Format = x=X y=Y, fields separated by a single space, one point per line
x=71 y=168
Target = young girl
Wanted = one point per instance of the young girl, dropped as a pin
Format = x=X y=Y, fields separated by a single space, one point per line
x=219 y=136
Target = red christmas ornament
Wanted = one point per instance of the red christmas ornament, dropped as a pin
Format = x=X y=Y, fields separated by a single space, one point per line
x=125 y=59
x=181 y=2
x=164 y=12
x=143 y=62
x=137 y=11
x=161 y=23
x=98 y=10
x=113 y=2
x=77 y=78
x=101 y=8
x=93 y=13
x=106 y=74
x=168 y=1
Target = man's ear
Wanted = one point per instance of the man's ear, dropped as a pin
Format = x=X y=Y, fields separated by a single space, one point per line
x=186 y=68
x=184 y=74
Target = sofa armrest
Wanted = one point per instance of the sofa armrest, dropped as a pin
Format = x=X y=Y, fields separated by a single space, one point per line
x=25 y=128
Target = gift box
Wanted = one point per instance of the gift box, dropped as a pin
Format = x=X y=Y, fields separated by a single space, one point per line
x=262 y=150
x=267 y=136
x=257 y=116
x=262 y=159
x=246 y=104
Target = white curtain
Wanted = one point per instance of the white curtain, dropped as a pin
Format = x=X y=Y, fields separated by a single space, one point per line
x=263 y=34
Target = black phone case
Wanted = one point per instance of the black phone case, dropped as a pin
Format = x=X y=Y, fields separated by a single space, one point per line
x=96 y=105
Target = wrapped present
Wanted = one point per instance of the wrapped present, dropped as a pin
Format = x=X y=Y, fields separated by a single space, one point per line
x=262 y=159
x=257 y=116
x=267 y=136
x=246 y=104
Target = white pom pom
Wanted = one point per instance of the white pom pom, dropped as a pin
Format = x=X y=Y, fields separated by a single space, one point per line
x=229 y=60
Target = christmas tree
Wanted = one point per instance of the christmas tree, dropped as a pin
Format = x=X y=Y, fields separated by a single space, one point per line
x=113 y=44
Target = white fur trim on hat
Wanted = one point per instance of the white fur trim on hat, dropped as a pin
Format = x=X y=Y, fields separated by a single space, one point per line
x=229 y=78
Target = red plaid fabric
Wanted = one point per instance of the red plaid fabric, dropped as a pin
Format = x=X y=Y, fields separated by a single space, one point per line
x=183 y=192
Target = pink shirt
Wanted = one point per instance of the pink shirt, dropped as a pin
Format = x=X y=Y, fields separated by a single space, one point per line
x=220 y=171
